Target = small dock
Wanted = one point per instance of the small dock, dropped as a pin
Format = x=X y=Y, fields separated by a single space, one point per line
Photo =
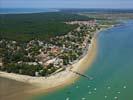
x=88 y=77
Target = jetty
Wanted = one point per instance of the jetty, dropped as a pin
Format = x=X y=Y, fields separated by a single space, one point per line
x=83 y=75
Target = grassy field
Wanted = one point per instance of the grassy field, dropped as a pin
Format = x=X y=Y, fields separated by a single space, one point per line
x=24 y=27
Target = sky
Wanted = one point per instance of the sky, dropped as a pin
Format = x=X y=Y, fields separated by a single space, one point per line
x=66 y=3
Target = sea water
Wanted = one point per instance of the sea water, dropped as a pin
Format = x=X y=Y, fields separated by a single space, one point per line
x=112 y=70
x=25 y=10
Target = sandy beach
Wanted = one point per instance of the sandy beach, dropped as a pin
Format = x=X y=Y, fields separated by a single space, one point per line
x=60 y=79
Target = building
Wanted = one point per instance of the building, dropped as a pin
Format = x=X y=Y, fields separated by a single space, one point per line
x=58 y=62
x=55 y=50
x=51 y=61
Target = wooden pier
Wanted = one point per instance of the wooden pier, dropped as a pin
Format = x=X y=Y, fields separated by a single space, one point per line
x=88 y=77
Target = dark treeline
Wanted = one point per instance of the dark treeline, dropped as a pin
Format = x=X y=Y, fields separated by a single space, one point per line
x=25 y=27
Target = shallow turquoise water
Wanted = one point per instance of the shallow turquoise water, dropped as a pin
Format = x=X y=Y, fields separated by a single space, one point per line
x=112 y=70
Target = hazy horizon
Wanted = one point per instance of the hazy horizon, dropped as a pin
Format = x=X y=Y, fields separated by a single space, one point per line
x=89 y=4
x=69 y=8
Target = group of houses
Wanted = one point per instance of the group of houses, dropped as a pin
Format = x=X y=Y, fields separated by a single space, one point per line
x=58 y=52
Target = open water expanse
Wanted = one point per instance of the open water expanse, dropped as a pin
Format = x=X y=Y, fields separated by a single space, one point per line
x=112 y=70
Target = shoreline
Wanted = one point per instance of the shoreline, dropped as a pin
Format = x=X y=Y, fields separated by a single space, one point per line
x=61 y=79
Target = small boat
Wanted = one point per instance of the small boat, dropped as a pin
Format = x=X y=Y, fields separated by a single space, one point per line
x=119 y=92
x=88 y=86
x=89 y=92
x=67 y=98
x=124 y=87
x=109 y=87
x=95 y=89
x=115 y=97
x=105 y=96
x=83 y=98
